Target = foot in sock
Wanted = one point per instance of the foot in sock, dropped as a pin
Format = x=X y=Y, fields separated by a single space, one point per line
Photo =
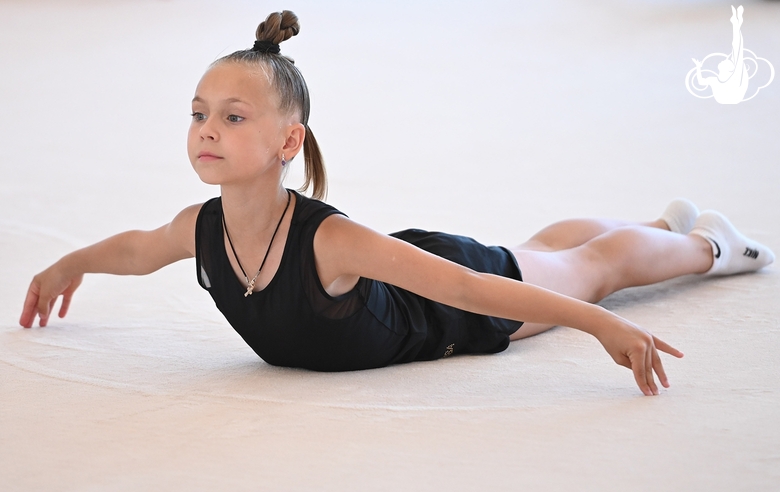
x=680 y=215
x=732 y=252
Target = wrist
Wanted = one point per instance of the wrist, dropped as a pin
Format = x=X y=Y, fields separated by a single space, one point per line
x=596 y=321
x=71 y=265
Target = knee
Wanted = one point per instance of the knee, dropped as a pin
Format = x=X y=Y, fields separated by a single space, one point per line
x=599 y=271
x=611 y=260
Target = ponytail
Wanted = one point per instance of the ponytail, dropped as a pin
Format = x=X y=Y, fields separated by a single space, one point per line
x=314 y=173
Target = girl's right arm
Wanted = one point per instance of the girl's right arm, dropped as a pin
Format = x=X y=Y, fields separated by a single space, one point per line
x=128 y=253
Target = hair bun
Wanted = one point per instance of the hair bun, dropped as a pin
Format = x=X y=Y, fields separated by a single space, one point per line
x=278 y=27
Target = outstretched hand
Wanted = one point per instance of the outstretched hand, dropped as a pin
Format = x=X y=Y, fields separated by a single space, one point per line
x=43 y=292
x=636 y=349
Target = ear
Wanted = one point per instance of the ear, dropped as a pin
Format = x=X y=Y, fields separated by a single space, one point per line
x=293 y=142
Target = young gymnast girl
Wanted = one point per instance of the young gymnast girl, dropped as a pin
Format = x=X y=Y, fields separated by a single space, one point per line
x=307 y=287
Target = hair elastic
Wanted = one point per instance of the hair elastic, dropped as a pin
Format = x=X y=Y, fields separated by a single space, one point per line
x=265 y=47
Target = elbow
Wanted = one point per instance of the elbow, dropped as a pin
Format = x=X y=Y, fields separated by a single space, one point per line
x=138 y=254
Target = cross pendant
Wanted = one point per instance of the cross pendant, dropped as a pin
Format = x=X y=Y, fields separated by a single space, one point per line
x=249 y=288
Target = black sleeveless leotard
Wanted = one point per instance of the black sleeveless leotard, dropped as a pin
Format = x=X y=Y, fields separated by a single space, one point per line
x=293 y=322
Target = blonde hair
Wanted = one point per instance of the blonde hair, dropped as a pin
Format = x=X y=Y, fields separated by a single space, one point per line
x=288 y=82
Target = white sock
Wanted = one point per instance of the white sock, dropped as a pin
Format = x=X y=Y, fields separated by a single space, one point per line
x=732 y=252
x=680 y=215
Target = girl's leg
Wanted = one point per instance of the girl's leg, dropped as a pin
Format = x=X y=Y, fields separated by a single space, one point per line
x=571 y=233
x=679 y=216
x=621 y=257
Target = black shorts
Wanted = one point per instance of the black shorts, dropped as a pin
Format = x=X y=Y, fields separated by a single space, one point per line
x=451 y=330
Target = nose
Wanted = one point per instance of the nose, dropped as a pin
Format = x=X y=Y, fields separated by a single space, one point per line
x=207 y=131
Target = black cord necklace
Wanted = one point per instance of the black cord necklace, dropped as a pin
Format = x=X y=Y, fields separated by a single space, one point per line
x=251 y=283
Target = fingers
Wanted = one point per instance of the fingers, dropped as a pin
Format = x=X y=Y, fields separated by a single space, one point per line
x=65 y=305
x=637 y=350
x=68 y=295
x=642 y=366
x=651 y=363
x=640 y=373
x=43 y=314
x=42 y=295
x=44 y=307
x=659 y=369
x=657 y=365
x=34 y=305
x=649 y=370
x=665 y=347
x=29 y=310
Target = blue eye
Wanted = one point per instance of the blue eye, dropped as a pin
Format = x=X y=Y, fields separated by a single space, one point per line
x=235 y=118
x=198 y=116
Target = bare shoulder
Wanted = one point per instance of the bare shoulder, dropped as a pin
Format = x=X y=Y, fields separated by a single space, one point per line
x=189 y=215
x=341 y=240
x=345 y=249
x=335 y=239
x=338 y=231
x=181 y=230
x=355 y=248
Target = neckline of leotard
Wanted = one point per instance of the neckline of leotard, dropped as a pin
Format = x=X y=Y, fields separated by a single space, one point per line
x=236 y=280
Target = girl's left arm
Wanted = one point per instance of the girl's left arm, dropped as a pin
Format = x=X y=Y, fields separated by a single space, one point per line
x=345 y=248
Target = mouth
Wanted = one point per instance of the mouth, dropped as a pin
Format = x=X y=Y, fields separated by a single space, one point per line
x=208 y=156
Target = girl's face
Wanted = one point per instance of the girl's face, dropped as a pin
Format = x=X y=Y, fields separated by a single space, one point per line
x=237 y=133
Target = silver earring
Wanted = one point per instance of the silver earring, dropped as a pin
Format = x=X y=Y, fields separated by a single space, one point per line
x=284 y=163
